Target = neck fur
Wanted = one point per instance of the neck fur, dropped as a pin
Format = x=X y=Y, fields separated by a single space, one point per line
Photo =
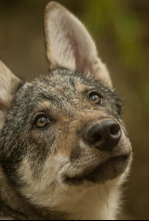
x=98 y=203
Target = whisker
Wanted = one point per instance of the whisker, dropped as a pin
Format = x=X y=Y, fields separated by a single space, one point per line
x=64 y=164
x=72 y=167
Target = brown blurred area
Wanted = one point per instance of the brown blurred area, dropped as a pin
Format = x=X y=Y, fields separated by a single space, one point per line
x=121 y=31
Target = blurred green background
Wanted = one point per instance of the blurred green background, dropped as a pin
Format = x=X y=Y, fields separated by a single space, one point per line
x=121 y=31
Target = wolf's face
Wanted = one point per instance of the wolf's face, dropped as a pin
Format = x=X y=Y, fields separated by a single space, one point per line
x=63 y=133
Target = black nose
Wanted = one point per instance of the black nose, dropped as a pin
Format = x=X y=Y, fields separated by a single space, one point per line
x=104 y=135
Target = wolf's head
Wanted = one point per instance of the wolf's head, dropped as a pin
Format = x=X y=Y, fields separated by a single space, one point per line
x=62 y=135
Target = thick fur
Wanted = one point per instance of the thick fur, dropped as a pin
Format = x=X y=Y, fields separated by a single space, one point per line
x=45 y=172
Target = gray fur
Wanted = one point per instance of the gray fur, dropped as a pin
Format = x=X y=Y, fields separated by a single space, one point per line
x=35 y=162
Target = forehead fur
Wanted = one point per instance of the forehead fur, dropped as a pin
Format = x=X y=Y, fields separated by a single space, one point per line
x=62 y=81
x=61 y=87
x=63 y=84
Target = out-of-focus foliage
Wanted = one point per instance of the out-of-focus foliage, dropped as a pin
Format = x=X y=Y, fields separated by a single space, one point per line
x=118 y=16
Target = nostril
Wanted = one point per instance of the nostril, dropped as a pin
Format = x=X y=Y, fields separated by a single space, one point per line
x=115 y=130
x=94 y=134
x=97 y=138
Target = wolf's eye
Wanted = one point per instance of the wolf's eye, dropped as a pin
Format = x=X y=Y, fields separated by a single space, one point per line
x=41 y=121
x=95 y=98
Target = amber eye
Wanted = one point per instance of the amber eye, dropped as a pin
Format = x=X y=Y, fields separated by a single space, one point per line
x=41 y=121
x=95 y=98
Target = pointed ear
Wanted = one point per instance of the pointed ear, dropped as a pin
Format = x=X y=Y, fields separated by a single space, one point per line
x=69 y=45
x=8 y=86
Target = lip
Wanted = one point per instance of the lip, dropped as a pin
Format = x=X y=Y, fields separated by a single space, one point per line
x=109 y=170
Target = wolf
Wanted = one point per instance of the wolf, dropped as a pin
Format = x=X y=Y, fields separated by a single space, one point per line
x=64 y=149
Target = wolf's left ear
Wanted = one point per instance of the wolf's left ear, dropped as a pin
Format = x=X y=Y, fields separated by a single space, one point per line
x=8 y=86
x=69 y=45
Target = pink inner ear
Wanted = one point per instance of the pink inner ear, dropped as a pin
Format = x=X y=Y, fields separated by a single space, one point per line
x=82 y=62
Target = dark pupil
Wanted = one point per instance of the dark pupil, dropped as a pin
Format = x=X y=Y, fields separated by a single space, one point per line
x=42 y=120
x=94 y=97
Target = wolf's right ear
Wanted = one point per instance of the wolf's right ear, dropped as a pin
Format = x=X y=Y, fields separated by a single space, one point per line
x=8 y=86
x=69 y=45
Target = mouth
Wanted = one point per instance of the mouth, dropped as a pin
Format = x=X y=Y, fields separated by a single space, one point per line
x=109 y=170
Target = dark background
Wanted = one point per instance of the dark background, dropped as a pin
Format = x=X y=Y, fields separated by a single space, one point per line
x=121 y=31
